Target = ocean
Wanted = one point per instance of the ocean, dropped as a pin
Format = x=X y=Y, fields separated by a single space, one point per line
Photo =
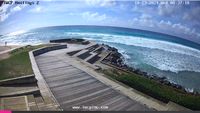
x=163 y=55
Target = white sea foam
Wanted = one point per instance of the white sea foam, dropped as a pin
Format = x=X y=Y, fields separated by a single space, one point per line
x=160 y=54
x=16 y=33
x=163 y=55
x=139 y=52
x=22 y=38
x=140 y=41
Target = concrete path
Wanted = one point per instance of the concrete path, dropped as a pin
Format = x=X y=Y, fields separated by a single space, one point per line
x=12 y=91
x=14 y=103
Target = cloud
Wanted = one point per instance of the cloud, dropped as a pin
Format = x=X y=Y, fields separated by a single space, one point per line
x=165 y=25
x=3 y=17
x=148 y=22
x=37 y=10
x=93 y=16
x=171 y=19
x=180 y=28
x=169 y=10
x=4 y=12
x=102 y=3
x=192 y=15
x=144 y=20
x=7 y=10
x=58 y=7
x=177 y=28
x=17 y=8
x=145 y=17
x=189 y=14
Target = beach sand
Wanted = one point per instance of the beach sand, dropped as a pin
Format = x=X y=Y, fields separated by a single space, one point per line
x=4 y=51
x=3 y=48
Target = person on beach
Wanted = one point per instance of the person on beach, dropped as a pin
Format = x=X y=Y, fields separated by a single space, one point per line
x=5 y=43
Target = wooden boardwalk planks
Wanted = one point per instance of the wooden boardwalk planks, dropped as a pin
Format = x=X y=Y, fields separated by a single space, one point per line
x=74 y=87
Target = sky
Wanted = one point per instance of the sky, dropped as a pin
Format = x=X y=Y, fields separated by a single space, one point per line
x=181 y=19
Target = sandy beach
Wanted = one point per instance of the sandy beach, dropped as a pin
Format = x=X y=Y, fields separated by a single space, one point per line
x=4 y=51
x=3 y=48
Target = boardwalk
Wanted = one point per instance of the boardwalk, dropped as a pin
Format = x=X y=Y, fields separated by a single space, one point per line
x=73 y=87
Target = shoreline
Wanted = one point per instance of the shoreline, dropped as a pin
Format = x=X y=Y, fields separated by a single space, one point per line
x=111 y=65
x=117 y=60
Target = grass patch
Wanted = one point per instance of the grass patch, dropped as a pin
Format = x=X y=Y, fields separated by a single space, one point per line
x=18 y=64
x=155 y=89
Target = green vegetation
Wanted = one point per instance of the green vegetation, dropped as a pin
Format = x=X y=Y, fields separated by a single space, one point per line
x=156 y=89
x=18 y=64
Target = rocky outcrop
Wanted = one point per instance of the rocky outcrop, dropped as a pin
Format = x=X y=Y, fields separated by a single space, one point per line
x=71 y=40
x=116 y=59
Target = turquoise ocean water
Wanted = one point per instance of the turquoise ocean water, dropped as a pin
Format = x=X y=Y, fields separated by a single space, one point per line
x=175 y=58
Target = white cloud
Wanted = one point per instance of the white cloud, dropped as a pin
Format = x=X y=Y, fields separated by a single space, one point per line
x=3 y=12
x=102 y=3
x=177 y=28
x=181 y=28
x=7 y=10
x=3 y=17
x=37 y=10
x=17 y=8
x=93 y=16
x=166 y=25
x=146 y=21
x=169 y=10
x=187 y=16
x=146 y=17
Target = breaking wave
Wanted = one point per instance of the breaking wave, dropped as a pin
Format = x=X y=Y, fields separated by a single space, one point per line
x=163 y=55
